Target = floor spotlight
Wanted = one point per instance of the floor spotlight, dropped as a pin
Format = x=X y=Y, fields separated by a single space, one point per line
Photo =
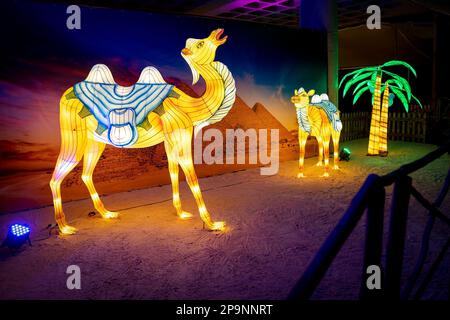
x=344 y=155
x=17 y=235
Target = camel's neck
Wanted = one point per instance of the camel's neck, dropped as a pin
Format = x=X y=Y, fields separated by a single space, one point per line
x=302 y=118
x=215 y=88
x=209 y=72
x=303 y=108
x=219 y=84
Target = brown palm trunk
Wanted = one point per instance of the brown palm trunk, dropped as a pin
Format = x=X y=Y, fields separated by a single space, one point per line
x=374 y=138
x=384 y=122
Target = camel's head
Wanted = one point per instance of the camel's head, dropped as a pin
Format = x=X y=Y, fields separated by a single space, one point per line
x=202 y=51
x=301 y=97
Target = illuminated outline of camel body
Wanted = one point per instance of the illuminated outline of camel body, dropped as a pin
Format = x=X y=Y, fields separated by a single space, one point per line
x=173 y=125
x=321 y=128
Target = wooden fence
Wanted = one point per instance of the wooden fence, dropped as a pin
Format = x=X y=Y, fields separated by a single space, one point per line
x=355 y=125
x=402 y=126
x=407 y=126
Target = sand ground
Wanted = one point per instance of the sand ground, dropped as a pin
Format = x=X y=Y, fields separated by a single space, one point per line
x=275 y=226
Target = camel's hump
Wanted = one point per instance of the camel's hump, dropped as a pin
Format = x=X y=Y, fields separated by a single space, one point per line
x=316 y=99
x=150 y=75
x=319 y=98
x=100 y=73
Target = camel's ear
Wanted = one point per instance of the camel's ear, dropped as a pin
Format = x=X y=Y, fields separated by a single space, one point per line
x=311 y=92
x=295 y=92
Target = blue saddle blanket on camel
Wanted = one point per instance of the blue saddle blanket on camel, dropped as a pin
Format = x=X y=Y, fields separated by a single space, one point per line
x=120 y=109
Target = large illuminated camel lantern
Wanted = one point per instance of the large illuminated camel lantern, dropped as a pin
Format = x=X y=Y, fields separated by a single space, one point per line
x=317 y=117
x=97 y=111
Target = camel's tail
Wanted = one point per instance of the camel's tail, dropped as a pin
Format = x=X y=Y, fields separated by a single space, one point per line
x=336 y=122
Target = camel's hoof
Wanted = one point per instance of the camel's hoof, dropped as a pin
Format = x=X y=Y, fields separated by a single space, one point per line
x=335 y=167
x=184 y=215
x=300 y=175
x=217 y=226
x=325 y=174
x=319 y=164
x=66 y=230
x=110 y=215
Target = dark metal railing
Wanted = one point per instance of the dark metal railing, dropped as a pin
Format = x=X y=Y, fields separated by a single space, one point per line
x=371 y=196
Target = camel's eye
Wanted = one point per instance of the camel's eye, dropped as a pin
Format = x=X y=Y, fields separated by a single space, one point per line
x=200 y=44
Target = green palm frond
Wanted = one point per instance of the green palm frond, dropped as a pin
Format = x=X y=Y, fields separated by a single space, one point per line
x=373 y=79
x=364 y=79
x=355 y=80
x=401 y=82
x=400 y=63
x=400 y=85
x=356 y=73
x=409 y=99
x=401 y=96
x=417 y=100
x=359 y=93
x=361 y=84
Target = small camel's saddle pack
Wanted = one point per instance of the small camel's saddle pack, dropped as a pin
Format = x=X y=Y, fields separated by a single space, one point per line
x=320 y=101
x=119 y=110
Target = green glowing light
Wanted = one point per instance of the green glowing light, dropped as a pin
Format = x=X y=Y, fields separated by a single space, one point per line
x=364 y=80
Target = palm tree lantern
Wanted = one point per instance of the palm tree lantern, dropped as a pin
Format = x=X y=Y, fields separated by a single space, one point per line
x=384 y=86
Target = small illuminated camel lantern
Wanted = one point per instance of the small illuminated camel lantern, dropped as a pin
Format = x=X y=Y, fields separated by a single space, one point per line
x=319 y=118
x=97 y=111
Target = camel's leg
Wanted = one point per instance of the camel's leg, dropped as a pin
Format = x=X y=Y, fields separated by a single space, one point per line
x=335 y=136
x=63 y=167
x=326 y=152
x=173 y=170
x=302 y=137
x=73 y=143
x=180 y=144
x=94 y=150
x=320 y=144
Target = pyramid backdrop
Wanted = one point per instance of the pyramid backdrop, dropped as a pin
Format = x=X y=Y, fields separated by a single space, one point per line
x=270 y=121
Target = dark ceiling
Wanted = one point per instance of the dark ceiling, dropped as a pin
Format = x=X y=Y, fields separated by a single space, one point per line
x=282 y=12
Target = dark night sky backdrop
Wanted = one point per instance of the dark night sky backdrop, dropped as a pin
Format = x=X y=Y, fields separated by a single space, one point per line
x=41 y=58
